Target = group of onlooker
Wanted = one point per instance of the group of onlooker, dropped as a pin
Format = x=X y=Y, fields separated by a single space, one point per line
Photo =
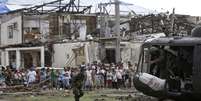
x=109 y=75
x=98 y=75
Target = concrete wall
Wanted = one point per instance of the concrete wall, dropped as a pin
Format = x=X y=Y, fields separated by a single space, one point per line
x=17 y=33
x=93 y=51
x=135 y=51
x=125 y=52
x=63 y=52
x=130 y=52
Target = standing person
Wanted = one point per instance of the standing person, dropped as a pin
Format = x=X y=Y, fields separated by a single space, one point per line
x=119 y=73
x=53 y=78
x=66 y=81
x=97 y=77
x=8 y=76
x=88 y=82
x=77 y=84
x=57 y=73
x=31 y=75
x=59 y=80
x=24 y=76
x=102 y=77
x=97 y=80
x=43 y=74
x=131 y=74
x=17 y=77
x=109 y=78
x=48 y=73
x=83 y=66
x=126 y=79
x=93 y=77
x=68 y=72
x=37 y=76
x=3 y=76
x=88 y=66
x=114 y=79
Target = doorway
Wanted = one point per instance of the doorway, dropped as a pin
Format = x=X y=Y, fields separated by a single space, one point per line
x=110 y=56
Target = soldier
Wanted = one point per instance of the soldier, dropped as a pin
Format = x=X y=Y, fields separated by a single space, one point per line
x=77 y=84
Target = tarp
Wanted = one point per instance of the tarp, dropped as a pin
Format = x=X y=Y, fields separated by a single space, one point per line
x=3 y=8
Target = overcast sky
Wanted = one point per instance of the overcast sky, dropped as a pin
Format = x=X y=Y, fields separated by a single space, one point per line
x=190 y=7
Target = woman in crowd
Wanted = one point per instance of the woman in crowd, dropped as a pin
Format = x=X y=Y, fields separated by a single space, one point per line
x=88 y=82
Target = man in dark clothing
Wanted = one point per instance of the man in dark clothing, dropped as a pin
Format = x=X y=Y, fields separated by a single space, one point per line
x=77 y=84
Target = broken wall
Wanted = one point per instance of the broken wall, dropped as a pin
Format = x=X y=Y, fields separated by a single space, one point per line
x=68 y=54
x=90 y=21
x=35 y=27
x=66 y=25
x=130 y=51
x=53 y=24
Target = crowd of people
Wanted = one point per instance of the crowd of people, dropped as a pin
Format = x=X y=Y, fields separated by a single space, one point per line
x=109 y=76
x=97 y=76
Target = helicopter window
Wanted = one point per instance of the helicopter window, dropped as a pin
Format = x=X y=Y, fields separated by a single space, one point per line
x=170 y=60
x=173 y=63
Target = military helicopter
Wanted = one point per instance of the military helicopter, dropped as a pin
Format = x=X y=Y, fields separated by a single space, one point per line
x=170 y=68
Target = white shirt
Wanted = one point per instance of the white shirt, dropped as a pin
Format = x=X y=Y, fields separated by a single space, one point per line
x=68 y=73
x=109 y=75
x=119 y=74
x=93 y=67
x=102 y=71
x=89 y=76
x=31 y=76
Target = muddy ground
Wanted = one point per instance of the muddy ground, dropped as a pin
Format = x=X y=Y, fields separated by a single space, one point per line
x=65 y=95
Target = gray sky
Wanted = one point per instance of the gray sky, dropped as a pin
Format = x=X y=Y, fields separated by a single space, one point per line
x=190 y=7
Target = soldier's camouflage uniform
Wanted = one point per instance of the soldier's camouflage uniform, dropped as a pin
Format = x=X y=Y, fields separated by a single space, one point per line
x=77 y=84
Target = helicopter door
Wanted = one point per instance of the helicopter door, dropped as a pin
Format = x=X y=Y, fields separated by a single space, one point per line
x=197 y=69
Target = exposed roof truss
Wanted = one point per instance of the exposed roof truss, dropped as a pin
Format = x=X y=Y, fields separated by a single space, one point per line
x=60 y=6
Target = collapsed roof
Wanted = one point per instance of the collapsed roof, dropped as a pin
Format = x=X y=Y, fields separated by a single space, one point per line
x=60 y=6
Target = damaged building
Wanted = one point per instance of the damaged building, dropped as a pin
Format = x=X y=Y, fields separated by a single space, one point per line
x=170 y=24
x=28 y=35
x=61 y=33
x=57 y=34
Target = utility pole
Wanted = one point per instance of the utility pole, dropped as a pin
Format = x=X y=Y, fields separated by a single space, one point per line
x=172 y=21
x=117 y=25
x=103 y=20
x=102 y=25
x=117 y=30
